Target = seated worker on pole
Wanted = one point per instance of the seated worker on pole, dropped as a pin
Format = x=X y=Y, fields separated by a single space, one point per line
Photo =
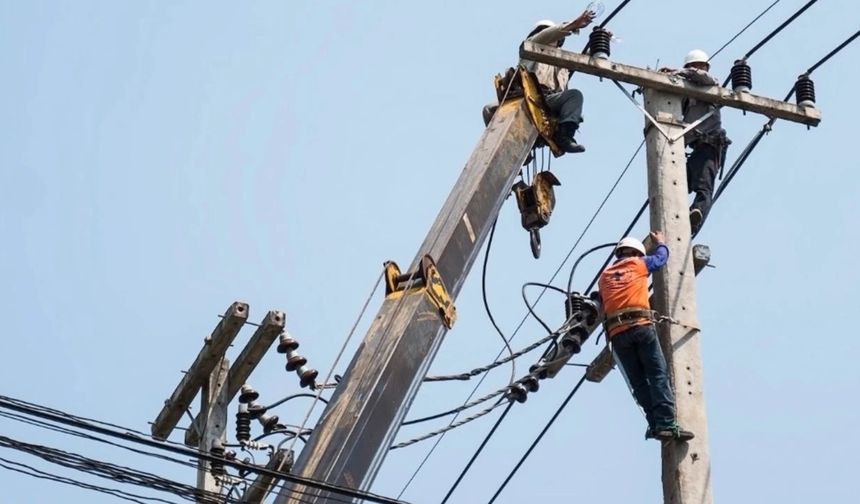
x=565 y=104
x=631 y=333
x=708 y=140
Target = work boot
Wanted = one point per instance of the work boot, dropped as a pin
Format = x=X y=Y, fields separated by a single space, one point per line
x=564 y=138
x=695 y=220
x=673 y=432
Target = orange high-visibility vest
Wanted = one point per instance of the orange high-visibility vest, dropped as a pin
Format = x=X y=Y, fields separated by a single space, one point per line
x=624 y=286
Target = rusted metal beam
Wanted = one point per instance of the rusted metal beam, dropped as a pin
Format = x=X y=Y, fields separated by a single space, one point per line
x=362 y=418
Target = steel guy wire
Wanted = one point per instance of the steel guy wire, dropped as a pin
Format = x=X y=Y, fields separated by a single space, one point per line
x=738 y=34
x=449 y=427
x=337 y=358
x=483 y=369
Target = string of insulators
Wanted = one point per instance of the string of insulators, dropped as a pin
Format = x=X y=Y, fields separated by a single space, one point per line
x=598 y=43
x=804 y=90
x=243 y=424
x=216 y=467
x=295 y=362
x=741 y=76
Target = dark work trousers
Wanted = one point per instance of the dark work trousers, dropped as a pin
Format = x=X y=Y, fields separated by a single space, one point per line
x=639 y=353
x=702 y=167
x=566 y=106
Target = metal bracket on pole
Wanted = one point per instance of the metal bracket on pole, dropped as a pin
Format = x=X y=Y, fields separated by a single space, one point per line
x=427 y=279
x=656 y=123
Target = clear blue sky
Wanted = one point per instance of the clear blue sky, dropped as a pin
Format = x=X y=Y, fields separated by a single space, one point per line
x=162 y=159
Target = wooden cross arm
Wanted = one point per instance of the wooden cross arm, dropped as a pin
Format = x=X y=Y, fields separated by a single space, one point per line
x=213 y=350
x=769 y=107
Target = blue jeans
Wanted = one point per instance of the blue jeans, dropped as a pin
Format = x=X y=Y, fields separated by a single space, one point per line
x=566 y=105
x=639 y=352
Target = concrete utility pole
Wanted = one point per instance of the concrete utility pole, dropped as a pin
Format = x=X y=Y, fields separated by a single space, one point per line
x=686 y=466
x=213 y=407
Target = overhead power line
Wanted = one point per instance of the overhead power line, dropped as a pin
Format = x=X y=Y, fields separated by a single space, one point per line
x=537 y=440
x=42 y=412
x=745 y=28
x=772 y=34
x=733 y=171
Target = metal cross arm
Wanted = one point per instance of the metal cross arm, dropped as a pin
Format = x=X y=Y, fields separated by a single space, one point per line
x=669 y=83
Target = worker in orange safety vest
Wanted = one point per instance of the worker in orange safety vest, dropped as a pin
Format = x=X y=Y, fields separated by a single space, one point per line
x=631 y=333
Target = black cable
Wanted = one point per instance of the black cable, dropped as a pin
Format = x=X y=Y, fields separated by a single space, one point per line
x=66 y=419
x=36 y=473
x=531 y=306
x=613 y=13
x=774 y=33
x=294 y=396
x=505 y=340
x=477 y=452
x=537 y=440
x=738 y=34
x=833 y=52
x=736 y=166
x=580 y=258
x=561 y=266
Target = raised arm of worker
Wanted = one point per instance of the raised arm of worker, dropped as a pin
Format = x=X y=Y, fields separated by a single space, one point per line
x=660 y=256
x=552 y=35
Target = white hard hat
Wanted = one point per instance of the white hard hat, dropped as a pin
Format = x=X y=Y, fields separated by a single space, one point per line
x=696 y=56
x=544 y=23
x=630 y=242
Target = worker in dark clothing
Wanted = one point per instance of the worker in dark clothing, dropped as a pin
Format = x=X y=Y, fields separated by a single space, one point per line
x=707 y=140
x=630 y=330
x=565 y=104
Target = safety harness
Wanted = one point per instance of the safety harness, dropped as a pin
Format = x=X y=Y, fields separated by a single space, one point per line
x=627 y=316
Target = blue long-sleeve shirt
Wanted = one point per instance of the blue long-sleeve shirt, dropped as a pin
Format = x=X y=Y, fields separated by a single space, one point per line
x=658 y=259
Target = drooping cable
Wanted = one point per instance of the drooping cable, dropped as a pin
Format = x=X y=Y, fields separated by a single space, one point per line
x=526 y=315
x=489 y=312
x=579 y=260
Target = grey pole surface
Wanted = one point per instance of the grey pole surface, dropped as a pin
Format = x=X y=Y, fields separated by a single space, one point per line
x=686 y=465
x=213 y=408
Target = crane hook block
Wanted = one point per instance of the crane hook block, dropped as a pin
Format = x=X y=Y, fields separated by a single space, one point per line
x=536 y=203
x=426 y=279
